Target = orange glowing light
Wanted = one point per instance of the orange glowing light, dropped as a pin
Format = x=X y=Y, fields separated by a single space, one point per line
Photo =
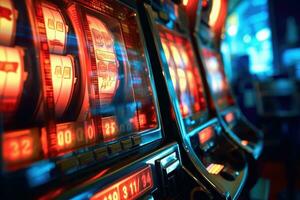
x=214 y=168
x=63 y=80
x=12 y=77
x=20 y=146
x=206 y=134
x=109 y=127
x=245 y=142
x=106 y=59
x=229 y=117
x=185 y=2
x=56 y=28
x=128 y=188
x=8 y=22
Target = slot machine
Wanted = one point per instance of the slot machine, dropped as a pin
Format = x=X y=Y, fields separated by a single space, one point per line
x=79 y=113
x=206 y=31
x=186 y=113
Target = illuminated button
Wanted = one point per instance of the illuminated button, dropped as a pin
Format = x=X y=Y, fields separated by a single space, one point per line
x=214 y=168
x=136 y=140
x=126 y=144
x=86 y=158
x=101 y=152
x=67 y=164
x=114 y=148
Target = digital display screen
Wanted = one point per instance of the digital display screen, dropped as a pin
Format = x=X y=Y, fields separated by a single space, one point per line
x=184 y=73
x=90 y=84
x=131 y=187
x=217 y=78
x=206 y=135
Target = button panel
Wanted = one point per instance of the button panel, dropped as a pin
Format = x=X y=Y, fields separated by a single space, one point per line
x=67 y=164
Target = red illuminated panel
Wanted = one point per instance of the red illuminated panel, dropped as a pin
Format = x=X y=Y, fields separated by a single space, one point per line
x=131 y=187
x=63 y=80
x=206 y=134
x=106 y=59
x=21 y=146
x=109 y=128
x=56 y=29
x=229 y=117
x=12 y=77
x=8 y=18
x=184 y=73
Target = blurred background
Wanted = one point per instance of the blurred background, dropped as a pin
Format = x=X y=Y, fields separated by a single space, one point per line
x=261 y=52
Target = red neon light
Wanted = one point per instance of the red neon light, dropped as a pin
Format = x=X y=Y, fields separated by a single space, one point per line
x=229 y=117
x=109 y=127
x=21 y=146
x=206 y=134
x=131 y=187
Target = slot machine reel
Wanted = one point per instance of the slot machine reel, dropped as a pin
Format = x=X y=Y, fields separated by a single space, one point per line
x=56 y=29
x=12 y=77
x=8 y=22
x=106 y=59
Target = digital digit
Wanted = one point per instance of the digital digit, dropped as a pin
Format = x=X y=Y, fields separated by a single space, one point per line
x=80 y=134
x=26 y=146
x=90 y=131
x=15 y=149
x=115 y=196
x=125 y=194
x=68 y=137
x=60 y=138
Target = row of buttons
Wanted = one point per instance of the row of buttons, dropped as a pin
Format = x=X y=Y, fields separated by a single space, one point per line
x=97 y=154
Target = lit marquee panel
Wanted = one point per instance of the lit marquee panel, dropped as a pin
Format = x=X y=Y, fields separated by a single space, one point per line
x=12 y=77
x=63 y=80
x=8 y=22
x=56 y=29
x=106 y=59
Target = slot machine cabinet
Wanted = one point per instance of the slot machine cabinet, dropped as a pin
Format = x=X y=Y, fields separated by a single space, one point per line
x=90 y=102
x=186 y=116
x=206 y=29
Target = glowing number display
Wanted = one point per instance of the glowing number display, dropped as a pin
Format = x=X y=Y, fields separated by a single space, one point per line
x=106 y=59
x=20 y=146
x=206 y=134
x=8 y=18
x=12 y=77
x=128 y=188
x=109 y=128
